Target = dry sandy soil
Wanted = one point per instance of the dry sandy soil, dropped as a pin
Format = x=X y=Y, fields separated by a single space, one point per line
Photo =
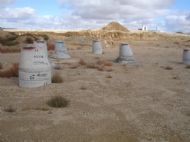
x=144 y=103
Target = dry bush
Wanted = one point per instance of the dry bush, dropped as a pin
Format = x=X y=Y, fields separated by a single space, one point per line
x=91 y=66
x=100 y=68
x=176 y=78
x=9 y=40
x=82 y=62
x=9 y=109
x=176 y=42
x=50 y=45
x=1 y=66
x=45 y=37
x=29 y=40
x=10 y=72
x=187 y=67
x=101 y=65
x=58 y=102
x=168 y=68
x=108 y=76
x=15 y=69
x=56 y=78
x=108 y=69
x=42 y=108
x=74 y=66
x=83 y=88
x=187 y=41
x=9 y=50
x=57 y=67
x=104 y=62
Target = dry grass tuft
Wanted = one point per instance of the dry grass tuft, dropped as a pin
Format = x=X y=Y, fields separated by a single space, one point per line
x=187 y=67
x=176 y=78
x=108 y=76
x=58 y=67
x=10 y=72
x=9 y=40
x=1 y=66
x=9 y=109
x=56 y=78
x=82 y=62
x=91 y=66
x=50 y=45
x=9 y=50
x=100 y=68
x=42 y=108
x=104 y=62
x=58 y=102
x=176 y=42
x=101 y=65
x=74 y=66
x=29 y=40
x=83 y=88
x=168 y=68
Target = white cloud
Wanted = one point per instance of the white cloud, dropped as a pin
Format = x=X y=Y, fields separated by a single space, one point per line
x=132 y=13
x=87 y=14
x=178 y=21
x=17 y=13
x=4 y=3
x=112 y=9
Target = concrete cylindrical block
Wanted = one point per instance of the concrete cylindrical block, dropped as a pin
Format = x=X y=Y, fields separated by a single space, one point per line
x=97 y=47
x=125 y=51
x=42 y=46
x=34 y=67
x=125 y=54
x=60 y=50
x=186 y=56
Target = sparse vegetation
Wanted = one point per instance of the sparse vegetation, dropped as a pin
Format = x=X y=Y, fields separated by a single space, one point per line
x=83 y=88
x=82 y=62
x=104 y=62
x=1 y=66
x=58 y=102
x=91 y=66
x=100 y=65
x=187 y=67
x=57 y=67
x=29 y=40
x=10 y=109
x=108 y=76
x=56 y=78
x=74 y=66
x=176 y=42
x=176 y=78
x=46 y=37
x=168 y=68
x=167 y=47
x=100 y=68
x=9 y=50
x=50 y=45
x=9 y=40
x=42 y=108
x=10 y=72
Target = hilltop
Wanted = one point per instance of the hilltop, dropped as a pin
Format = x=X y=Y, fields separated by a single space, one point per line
x=115 y=26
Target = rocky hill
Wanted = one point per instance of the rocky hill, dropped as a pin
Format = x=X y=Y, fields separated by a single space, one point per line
x=115 y=26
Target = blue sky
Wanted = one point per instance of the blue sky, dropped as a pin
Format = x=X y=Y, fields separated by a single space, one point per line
x=167 y=15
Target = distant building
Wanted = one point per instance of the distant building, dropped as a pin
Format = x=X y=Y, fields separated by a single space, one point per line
x=144 y=28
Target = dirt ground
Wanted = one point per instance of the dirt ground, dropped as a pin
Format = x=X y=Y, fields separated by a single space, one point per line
x=144 y=103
